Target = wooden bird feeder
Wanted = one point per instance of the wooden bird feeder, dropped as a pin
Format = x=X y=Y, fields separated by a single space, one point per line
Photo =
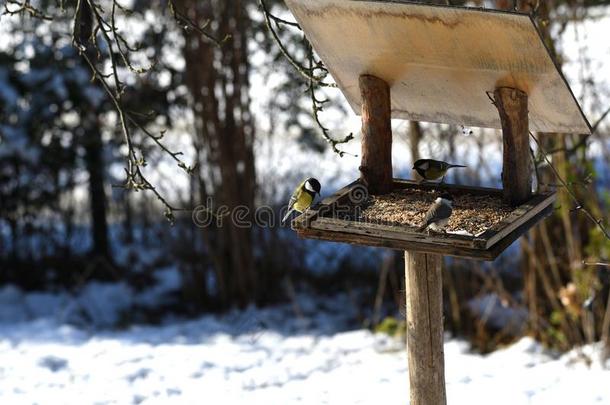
x=442 y=64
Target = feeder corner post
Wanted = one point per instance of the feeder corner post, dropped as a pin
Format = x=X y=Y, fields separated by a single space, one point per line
x=376 y=162
x=512 y=105
x=424 y=287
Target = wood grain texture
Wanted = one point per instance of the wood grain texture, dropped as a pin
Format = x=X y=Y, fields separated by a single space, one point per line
x=397 y=244
x=440 y=61
x=447 y=249
x=392 y=232
x=518 y=217
x=424 y=299
x=454 y=189
x=376 y=163
x=517 y=163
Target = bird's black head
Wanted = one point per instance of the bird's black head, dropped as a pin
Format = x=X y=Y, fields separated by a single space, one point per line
x=446 y=196
x=312 y=185
x=421 y=164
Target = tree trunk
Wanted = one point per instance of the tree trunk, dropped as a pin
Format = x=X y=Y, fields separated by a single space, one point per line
x=93 y=146
x=128 y=238
x=218 y=79
x=97 y=195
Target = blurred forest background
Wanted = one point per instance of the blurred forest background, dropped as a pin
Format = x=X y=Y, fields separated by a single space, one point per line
x=214 y=109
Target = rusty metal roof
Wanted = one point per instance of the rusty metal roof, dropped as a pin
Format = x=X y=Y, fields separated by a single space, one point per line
x=440 y=60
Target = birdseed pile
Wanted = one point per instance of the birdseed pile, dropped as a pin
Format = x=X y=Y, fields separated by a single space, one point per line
x=472 y=214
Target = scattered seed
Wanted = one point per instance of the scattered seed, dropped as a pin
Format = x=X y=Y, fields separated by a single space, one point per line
x=472 y=214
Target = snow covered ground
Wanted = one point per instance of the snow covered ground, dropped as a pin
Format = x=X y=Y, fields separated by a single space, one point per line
x=269 y=356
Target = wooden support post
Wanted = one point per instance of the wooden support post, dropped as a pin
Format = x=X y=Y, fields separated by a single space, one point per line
x=376 y=164
x=424 y=296
x=517 y=166
x=423 y=271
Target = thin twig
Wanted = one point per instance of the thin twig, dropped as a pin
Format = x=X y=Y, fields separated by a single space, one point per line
x=279 y=21
x=308 y=73
x=24 y=7
x=596 y=264
x=599 y=121
x=583 y=141
x=491 y=98
x=317 y=106
x=188 y=23
x=105 y=29
x=109 y=33
x=579 y=205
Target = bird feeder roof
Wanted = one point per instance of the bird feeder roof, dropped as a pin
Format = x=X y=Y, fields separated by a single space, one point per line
x=440 y=61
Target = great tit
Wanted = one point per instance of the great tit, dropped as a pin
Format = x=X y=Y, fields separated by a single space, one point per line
x=303 y=196
x=430 y=169
x=438 y=214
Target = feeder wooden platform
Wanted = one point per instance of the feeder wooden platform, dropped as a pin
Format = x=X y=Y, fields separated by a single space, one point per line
x=339 y=218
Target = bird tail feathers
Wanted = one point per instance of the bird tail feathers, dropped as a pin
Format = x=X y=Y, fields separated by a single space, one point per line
x=287 y=215
x=422 y=228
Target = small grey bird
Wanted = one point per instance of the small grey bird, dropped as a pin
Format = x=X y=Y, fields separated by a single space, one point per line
x=430 y=169
x=438 y=214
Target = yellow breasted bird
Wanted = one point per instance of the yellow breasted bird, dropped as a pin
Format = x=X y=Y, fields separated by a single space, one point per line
x=303 y=196
x=430 y=169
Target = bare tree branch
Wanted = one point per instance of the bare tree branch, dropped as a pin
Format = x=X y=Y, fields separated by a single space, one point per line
x=115 y=44
x=317 y=106
x=24 y=7
x=189 y=24
x=579 y=206
x=306 y=72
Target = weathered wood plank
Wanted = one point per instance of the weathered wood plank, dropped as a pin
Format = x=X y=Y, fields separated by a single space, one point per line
x=391 y=232
x=376 y=163
x=424 y=299
x=447 y=250
x=344 y=191
x=520 y=231
x=367 y=240
x=400 y=184
x=516 y=218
